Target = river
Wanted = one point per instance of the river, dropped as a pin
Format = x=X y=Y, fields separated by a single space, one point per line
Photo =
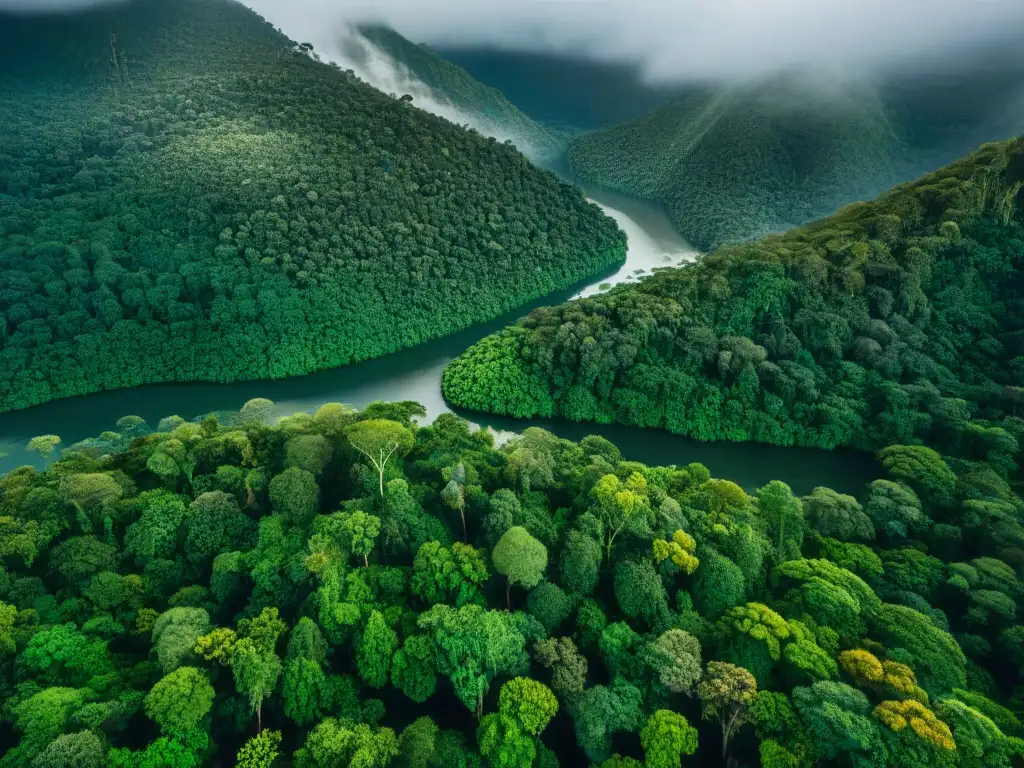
x=415 y=374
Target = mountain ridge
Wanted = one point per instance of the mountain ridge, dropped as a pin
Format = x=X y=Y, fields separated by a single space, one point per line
x=238 y=210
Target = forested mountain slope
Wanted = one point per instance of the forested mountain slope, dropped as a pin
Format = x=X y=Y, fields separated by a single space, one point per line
x=729 y=163
x=216 y=205
x=895 y=321
x=243 y=593
x=487 y=107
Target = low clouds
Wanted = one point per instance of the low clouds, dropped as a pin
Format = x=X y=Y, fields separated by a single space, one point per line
x=673 y=40
x=686 y=39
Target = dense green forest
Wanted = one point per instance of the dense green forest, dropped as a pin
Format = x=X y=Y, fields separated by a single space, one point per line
x=186 y=194
x=729 y=163
x=450 y=84
x=349 y=588
x=898 y=321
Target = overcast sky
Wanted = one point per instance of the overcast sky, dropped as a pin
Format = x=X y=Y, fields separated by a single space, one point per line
x=681 y=39
x=672 y=39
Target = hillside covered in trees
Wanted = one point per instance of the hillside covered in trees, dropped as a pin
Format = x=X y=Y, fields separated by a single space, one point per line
x=732 y=162
x=186 y=194
x=351 y=589
x=895 y=321
x=490 y=111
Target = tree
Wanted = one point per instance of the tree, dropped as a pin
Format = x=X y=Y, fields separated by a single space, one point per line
x=175 y=633
x=42 y=716
x=44 y=445
x=639 y=591
x=180 y=700
x=254 y=662
x=666 y=737
x=549 y=605
x=295 y=494
x=531 y=459
x=567 y=664
x=72 y=750
x=602 y=711
x=302 y=685
x=155 y=532
x=175 y=457
x=454 y=494
x=718 y=584
x=215 y=524
x=416 y=743
x=89 y=494
x=520 y=558
x=81 y=557
x=260 y=751
x=504 y=743
x=449 y=574
x=362 y=531
x=621 y=507
x=580 y=563
x=679 y=549
x=980 y=743
x=756 y=635
x=784 y=514
x=343 y=742
x=308 y=452
x=837 y=720
x=725 y=694
x=837 y=515
x=923 y=469
x=62 y=655
x=895 y=509
x=255 y=411
x=529 y=703
x=376 y=647
x=472 y=646
x=915 y=641
x=380 y=441
x=256 y=671
x=675 y=657
x=914 y=736
x=304 y=681
x=413 y=670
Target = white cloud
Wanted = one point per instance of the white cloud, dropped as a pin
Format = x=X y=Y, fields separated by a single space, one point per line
x=683 y=39
x=671 y=39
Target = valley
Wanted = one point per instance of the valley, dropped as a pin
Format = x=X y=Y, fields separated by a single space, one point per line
x=497 y=404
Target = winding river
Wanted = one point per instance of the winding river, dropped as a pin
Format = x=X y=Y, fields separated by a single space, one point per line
x=415 y=374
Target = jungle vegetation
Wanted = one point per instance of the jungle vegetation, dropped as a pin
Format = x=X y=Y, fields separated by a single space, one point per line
x=899 y=321
x=732 y=162
x=350 y=588
x=186 y=194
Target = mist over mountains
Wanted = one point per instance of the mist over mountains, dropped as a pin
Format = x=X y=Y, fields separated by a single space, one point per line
x=688 y=39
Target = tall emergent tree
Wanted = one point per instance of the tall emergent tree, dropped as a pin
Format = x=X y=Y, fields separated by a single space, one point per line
x=380 y=441
x=521 y=559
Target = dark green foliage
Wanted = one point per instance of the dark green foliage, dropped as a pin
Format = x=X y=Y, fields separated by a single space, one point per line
x=220 y=205
x=639 y=591
x=549 y=604
x=580 y=563
x=202 y=623
x=730 y=162
x=876 y=327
